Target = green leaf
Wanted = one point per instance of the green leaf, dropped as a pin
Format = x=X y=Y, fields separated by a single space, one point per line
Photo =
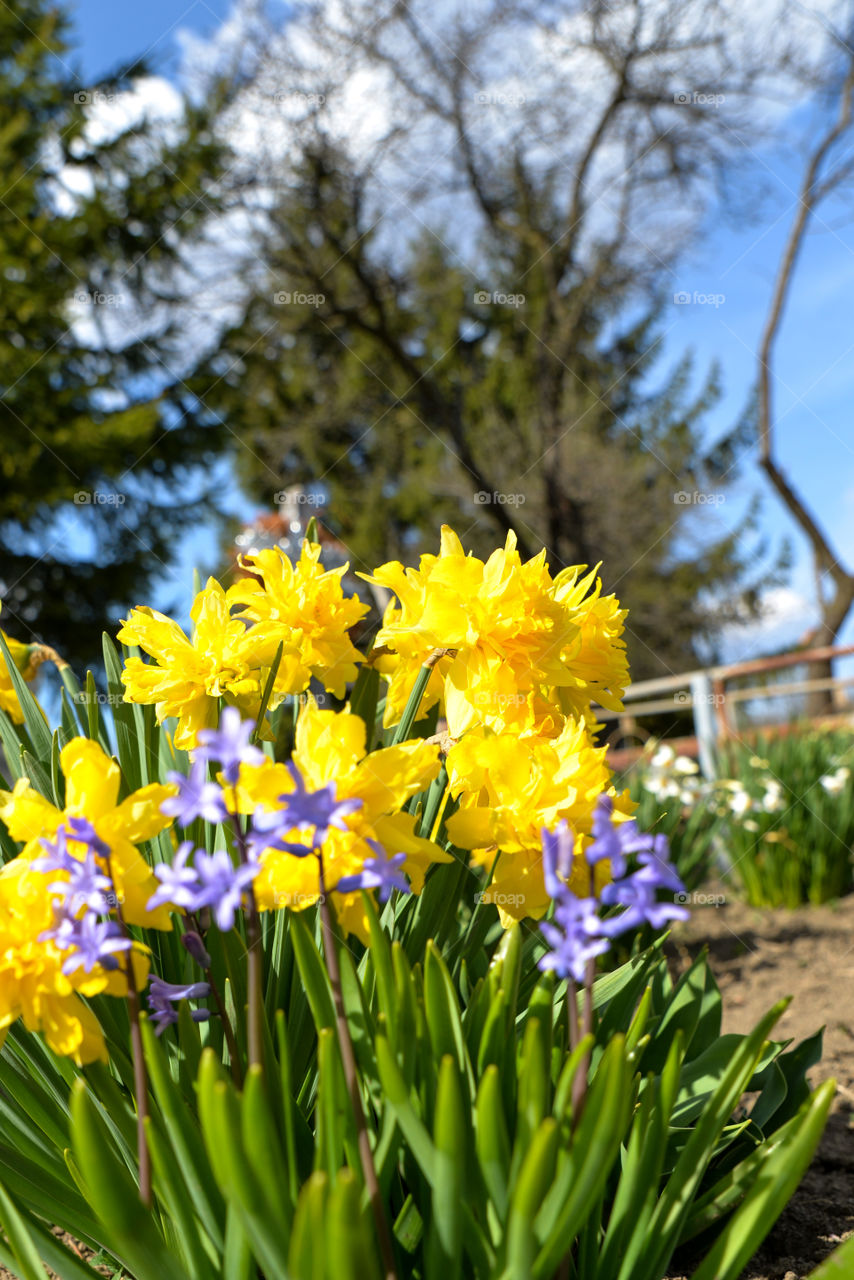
x=305 y=1260
x=676 y=1199
x=25 y=1253
x=492 y=1142
x=783 y=1169
x=185 y=1137
x=413 y=702
x=397 y=1096
x=535 y=1179
x=449 y=1185
x=12 y=748
x=219 y=1111
x=581 y=1174
x=442 y=1010
x=34 y=718
x=268 y=690
x=130 y=1230
x=839 y=1266
x=129 y=738
x=350 y=1251
x=170 y=1189
x=363 y=699
x=312 y=970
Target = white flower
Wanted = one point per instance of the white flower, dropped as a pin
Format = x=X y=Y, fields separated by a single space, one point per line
x=740 y=802
x=833 y=783
x=663 y=758
x=773 y=800
x=684 y=764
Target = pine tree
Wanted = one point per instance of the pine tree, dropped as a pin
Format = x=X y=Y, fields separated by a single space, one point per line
x=101 y=440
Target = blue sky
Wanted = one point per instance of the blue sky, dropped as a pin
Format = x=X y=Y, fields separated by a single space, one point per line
x=107 y=32
x=815 y=355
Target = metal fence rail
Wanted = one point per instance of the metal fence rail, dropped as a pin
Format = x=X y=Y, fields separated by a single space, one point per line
x=706 y=693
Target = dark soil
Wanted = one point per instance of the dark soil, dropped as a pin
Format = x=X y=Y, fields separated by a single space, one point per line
x=757 y=957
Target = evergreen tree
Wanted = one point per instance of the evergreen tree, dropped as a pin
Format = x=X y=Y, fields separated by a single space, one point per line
x=102 y=442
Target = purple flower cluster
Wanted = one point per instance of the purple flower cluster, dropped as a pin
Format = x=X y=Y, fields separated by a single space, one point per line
x=82 y=901
x=212 y=881
x=196 y=879
x=379 y=872
x=577 y=933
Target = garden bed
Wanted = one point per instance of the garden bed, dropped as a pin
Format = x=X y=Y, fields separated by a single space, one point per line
x=758 y=956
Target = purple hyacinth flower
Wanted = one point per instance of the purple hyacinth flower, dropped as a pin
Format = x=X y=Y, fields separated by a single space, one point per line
x=197 y=797
x=572 y=937
x=656 y=867
x=637 y=894
x=179 y=883
x=162 y=997
x=267 y=830
x=607 y=841
x=307 y=811
x=379 y=872
x=222 y=885
x=57 y=856
x=159 y=989
x=81 y=829
x=86 y=888
x=318 y=809
x=62 y=932
x=95 y=942
x=558 y=849
x=229 y=745
x=195 y=947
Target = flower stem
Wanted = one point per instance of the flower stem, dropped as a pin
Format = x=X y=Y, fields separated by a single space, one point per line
x=579 y=1084
x=140 y=1076
x=228 y=1029
x=254 y=981
x=254 y=957
x=140 y=1081
x=348 y=1059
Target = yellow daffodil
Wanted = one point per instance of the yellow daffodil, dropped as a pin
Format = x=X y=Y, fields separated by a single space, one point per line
x=517 y=638
x=92 y=792
x=509 y=788
x=27 y=658
x=303 y=607
x=330 y=747
x=32 y=984
x=189 y=676
x=599 y=665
